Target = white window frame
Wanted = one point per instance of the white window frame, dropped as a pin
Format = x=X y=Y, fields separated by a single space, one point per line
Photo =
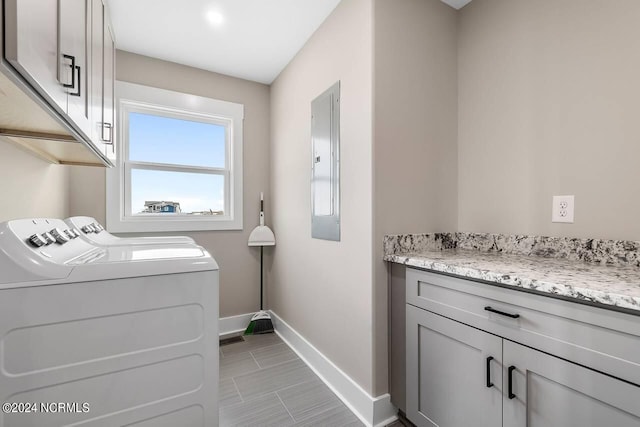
x=134 y=98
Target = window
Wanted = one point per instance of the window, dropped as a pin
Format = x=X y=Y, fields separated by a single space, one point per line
x=179 y=163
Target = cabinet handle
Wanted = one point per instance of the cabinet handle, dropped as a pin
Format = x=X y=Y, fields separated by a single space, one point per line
x=110 y=127
x=489 y=383
x=510 y=376
x=79 y=91
x=73 y=71
x=493 y=310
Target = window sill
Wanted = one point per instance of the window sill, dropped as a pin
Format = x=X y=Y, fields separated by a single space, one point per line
x=146 y=225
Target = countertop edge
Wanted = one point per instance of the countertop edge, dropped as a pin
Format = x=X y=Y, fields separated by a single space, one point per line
x=597 y=298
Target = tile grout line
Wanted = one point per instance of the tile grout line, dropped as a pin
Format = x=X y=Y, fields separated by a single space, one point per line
x=256 y=360
x=252 y=371
x=339 y=403
x=285 y=407
x=263 y=368
x=273 y=366
x=267 y=393
x=294 y=385
x=276 y=392
x=259 y=348
x=238 y=390
x=260 y=368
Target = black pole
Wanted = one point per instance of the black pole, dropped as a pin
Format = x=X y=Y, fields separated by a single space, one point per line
x=261 y=249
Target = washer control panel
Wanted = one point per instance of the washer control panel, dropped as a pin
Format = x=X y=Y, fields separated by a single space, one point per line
x=50 y=238
x=38 y=240
x=93 y=228
x=55 y=235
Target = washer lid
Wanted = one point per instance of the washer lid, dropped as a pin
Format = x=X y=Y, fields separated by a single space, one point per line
x=91 y=230
x=44 y=251
x=115 y=262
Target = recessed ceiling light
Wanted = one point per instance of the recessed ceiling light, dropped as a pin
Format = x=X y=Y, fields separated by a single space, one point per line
x=215 y=18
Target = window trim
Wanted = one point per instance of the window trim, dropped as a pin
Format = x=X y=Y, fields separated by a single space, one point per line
x=134 y=98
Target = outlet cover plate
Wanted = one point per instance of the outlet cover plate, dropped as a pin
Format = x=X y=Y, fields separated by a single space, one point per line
x=563 y=209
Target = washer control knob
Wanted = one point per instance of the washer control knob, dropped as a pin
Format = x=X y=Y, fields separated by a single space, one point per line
x=37 y=240
x=98 y=227
x=87 y=229
x=59 y=236
x=69 y=234
x=49 y=238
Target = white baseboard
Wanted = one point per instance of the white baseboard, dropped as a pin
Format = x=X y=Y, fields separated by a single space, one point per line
x=232 y=324
x=372 y=411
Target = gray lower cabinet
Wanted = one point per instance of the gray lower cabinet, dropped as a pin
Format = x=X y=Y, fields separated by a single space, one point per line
x=459 y=375
x=548 y=391
x=448 y=366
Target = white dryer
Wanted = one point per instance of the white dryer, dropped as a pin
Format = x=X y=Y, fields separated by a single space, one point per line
x=105 y=336
x=90 y=229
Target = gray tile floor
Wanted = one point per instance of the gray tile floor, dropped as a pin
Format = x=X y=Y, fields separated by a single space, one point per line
x=264 y=383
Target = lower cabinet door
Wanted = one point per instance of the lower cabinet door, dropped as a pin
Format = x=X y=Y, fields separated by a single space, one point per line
x=454 y=373
x=547 y=391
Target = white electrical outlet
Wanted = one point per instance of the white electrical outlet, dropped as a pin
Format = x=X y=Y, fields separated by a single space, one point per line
x=563 y=209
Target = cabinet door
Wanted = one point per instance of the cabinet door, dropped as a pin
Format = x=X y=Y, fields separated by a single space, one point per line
x=109 y=98
x=31 y=46
x=95 y=93
x=548 y=391
x=454 y=373
x=73 y=32
x=102 y=79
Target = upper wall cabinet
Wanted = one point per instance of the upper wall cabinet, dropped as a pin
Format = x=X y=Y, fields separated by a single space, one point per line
x=57 y=79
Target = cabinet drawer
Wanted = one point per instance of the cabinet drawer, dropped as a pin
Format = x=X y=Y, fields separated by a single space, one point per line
x=605 y=340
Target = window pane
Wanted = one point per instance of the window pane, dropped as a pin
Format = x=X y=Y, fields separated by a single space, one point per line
x=162 y=192
x=183 y=142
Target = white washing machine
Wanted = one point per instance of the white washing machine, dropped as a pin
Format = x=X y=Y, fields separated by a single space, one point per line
x=105 y=336
x=90 y=229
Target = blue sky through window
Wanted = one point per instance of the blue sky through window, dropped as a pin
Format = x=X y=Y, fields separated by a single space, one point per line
x=196 y=192
x=160 y=139
x=181 y=142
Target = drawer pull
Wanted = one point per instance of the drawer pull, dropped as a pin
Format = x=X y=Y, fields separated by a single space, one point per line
x=511 y=393
x=489 y=383
x=493 y=310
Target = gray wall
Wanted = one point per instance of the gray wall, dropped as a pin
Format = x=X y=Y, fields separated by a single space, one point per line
x=239 y=264
x=30 y=187
x=322 y=288
x=415 y=132
x=548 y=105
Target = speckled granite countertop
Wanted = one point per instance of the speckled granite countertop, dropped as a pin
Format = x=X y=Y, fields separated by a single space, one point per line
x=602 y=272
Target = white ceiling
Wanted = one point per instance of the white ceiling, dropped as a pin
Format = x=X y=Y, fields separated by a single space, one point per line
x=255 y=41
